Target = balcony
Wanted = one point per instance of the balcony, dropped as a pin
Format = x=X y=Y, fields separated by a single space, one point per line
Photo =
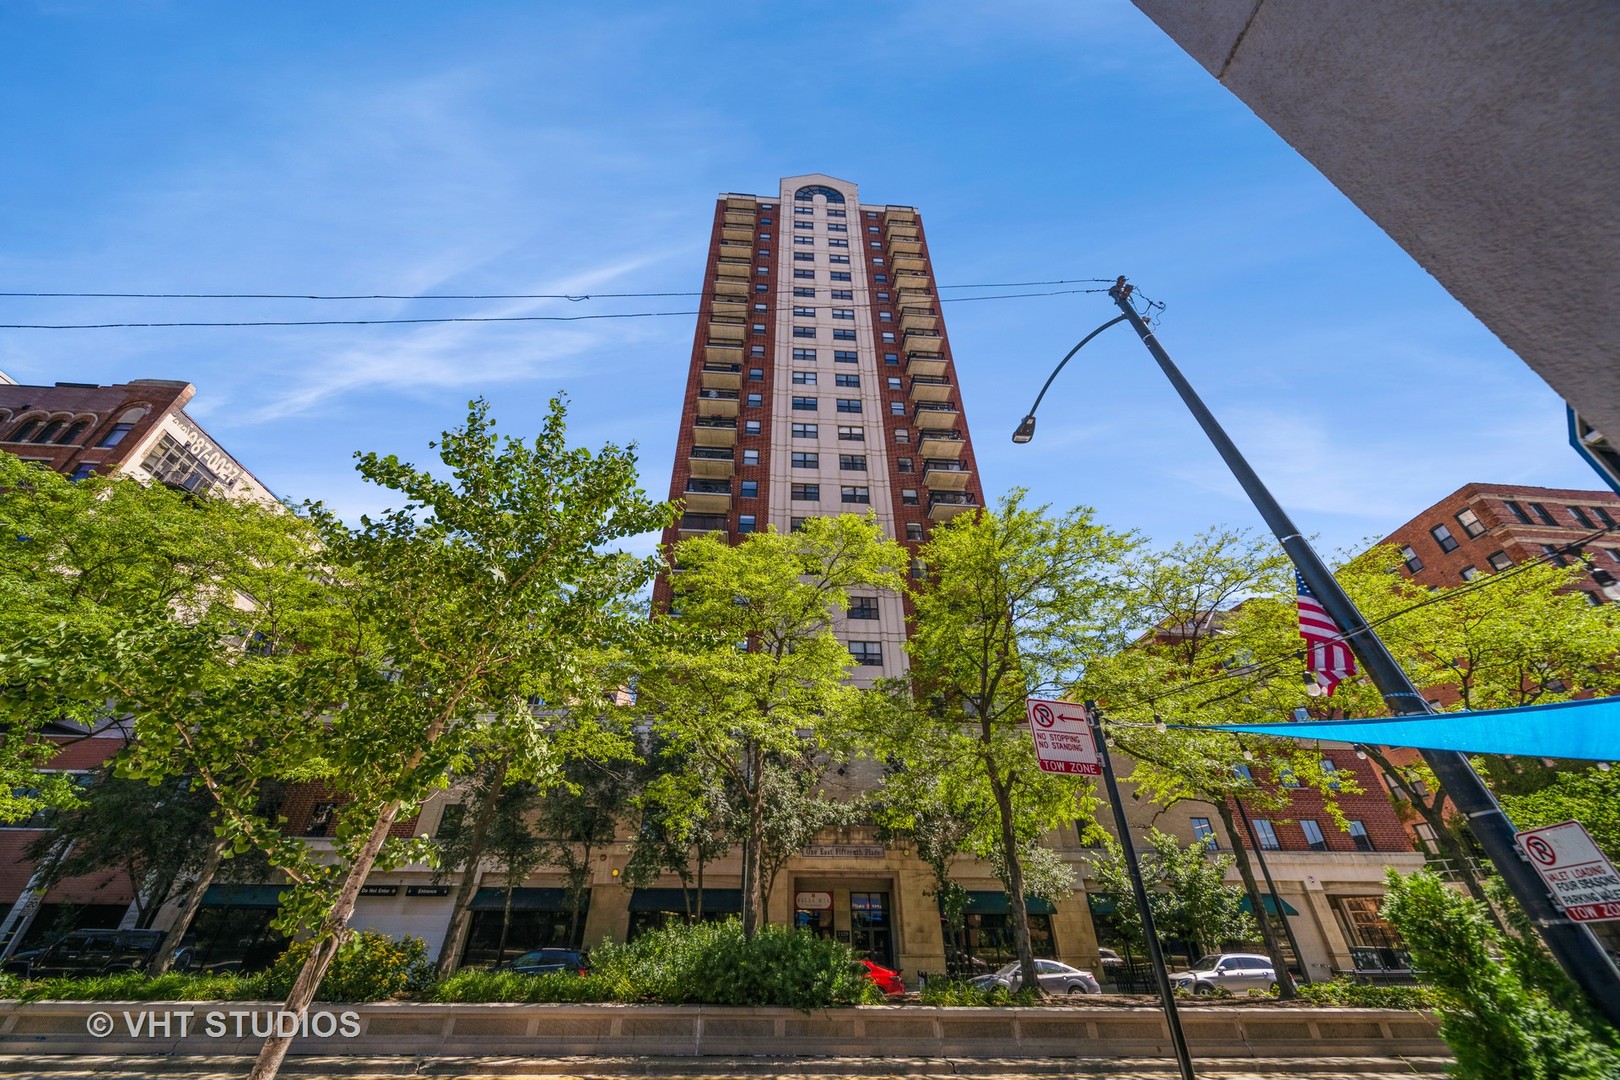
x=911 y=279
x=940 y=445
x=723 y=352
x=903 y=261
x=707 y=496
x=922 y=340
x=740 y=202
x=712 y=463
x=732 y=250
x=896 y=228
x=731 y=290
x=904 y=245
x=718 y=402
x=740 y=231
x=722 y=376
x=695 y=524
x=932 y=416
x=727 y=328
x=944 y=505
x=900 y=215
x=914 y=295
x=714 y=431
x=930 y=388
x=925 y=363
x=945 y=474
x=730 y=307
x=735 y=269
x=918 y=318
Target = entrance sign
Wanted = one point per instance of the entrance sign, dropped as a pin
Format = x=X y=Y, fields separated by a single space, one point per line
x=812 y=901
x=1582 y=881
x=1063 y=739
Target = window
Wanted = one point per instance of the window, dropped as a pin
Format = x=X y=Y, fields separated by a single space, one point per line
x=919 y=570
x=804 y=256
x=1443 y=537
x=805 y=493
x=1358 y=834
x=902 y=435
x=750 y=427
x=804 y=331
x=804 y=404
x=750 y=457
x=804 y=431
x=867 y=653
x=745 y=523
x=885 y=316
x=854 y=494
x=803 y=224
x=839 y=275
x=863 y=607
x=842 y=379
x=914 y=530
x=804 y=209
x=803 y=460
x=1329 y=768
x=831 y=212
x=1554 y=555
x=877 y=260
x=846 y=356
x=843 y=335
x=843 y=313
x=882 y=296
x=1499 y=561
x=875 y=245
x=837 y=227
x=851 y=434
x=798 y=273
x=1580 y=517
x=754 y=401
x=872 y=228
x=1604 y=516
x=797 y=524
x=1410 y=558
x=893 y=382
x=1265 y=835
x=897 y=408
x=74 y=431
x=849 y=405
x=450 y=821
x=804 y=378
x=843 y=294
x=833 y=241
x=891 y=359
x=48 y=432
x=804 y=312
x=1517 y=511
x=1469 y=573
x=851 y=462
x=888 y=336
x=1287 y=777
x=756 y=350
x=880 y=278
x=908 y=496
x=83 y=470
x=1243 y=772
x=762 y=288
x=114 y=436
x=320 y=819
x=1313 y=835
x=838 y=258
x=748 y=489
x=807 y=355
x=1542 y=514
x=756 y=374
x=1204 y=831
x=1470 y=523
x=902 y=464
x=801 y=290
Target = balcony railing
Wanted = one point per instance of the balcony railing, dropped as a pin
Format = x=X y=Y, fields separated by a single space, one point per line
x=925 y=363
x=700 y=523
x=714 y=453
x=940 y=444
x=945 y=474
x=947 y=504
x=930 y=388
x=930 y=414
x=712 y=462
x=708 y=487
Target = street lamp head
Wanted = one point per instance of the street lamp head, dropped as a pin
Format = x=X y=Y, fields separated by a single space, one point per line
x=1026 y=429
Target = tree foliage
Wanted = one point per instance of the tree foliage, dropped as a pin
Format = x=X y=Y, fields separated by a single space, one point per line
x=1187 y=893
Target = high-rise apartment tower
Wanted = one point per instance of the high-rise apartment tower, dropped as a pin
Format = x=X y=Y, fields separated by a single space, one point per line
x=822 y=383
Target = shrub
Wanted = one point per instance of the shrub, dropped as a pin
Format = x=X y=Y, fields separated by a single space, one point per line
x=957 y=993
x=369 y=967
x=1499 y=1027
x=138 y=986
x=1364 y=996
x=478 y=986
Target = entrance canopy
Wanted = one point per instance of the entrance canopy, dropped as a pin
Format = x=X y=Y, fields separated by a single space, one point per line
x=1586 y=730
x=522 y=900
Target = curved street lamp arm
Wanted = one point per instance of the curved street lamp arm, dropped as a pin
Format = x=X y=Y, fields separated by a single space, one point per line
x=1066 y=359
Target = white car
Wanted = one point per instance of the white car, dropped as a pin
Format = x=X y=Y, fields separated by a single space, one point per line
x=1230 y=971
x=1055 y=978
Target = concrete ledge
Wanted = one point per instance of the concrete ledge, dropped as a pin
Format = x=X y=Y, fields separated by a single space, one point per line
x=193 y=1029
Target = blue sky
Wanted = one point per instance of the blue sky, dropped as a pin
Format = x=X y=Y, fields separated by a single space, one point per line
x=530 y=147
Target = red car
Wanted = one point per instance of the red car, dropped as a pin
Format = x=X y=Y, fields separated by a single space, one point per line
x=887 y=980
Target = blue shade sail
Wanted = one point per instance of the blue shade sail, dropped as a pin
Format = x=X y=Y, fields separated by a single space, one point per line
x=1587 y=730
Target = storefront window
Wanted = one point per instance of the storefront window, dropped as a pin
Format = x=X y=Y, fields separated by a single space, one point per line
x=1375 y=944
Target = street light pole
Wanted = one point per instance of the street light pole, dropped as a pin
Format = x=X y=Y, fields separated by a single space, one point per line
x=1571 y=944
x=1271 y=886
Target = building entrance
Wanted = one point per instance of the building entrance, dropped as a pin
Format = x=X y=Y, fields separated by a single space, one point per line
x=871 y=925
x=859 y=913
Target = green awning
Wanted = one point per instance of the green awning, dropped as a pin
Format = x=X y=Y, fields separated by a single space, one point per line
x=245 y=896
x=1271 y=905
x=997 y=903
x=714 y=900
x=1101 y=903
x=525 y=900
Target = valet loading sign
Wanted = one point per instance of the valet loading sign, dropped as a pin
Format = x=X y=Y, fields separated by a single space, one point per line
x=1582 y=881
x=1063 y=739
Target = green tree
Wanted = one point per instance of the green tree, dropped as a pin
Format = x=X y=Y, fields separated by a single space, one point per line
x=750 y=676
x=1187 y=893
x=687 y=821
x=1015 y=602
x=1590 y=796
x=577 y=818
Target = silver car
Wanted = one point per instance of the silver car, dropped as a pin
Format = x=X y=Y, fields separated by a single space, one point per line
x=1229 y=971
x=1055 y=978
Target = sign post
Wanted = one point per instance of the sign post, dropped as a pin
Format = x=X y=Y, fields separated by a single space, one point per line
x=1581 y=879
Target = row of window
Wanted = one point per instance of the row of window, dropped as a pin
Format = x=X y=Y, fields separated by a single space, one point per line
x=808 y=378
x=846 y=462
x=64 y=432
x=914 y=530
x=1582 y=516
x=844 y=405
x=810 y=313
x=840 y=356
x=1265 y=834
x=846 y=493
x=839 y=333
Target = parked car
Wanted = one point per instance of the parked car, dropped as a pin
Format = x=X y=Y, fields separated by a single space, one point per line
x=1110 y=960
x=887 y=979
x=549 y=962
x=1055 y=978
x=1230 y=971
x=94 y=952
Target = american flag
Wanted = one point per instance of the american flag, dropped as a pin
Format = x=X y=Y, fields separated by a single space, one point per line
x=1326 y=654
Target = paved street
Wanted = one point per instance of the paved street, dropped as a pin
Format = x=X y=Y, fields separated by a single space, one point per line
x=496 y=1068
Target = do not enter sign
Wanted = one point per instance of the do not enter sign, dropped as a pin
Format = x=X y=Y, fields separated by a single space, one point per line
x=1063 y=740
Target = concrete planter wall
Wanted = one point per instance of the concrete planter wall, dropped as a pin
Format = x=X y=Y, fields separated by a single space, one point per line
x=60 y=1027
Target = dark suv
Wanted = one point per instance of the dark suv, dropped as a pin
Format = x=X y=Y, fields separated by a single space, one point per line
x=92 y=952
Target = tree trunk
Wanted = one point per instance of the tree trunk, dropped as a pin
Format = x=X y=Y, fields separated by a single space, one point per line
x=506 y=925
x=335 y=930
x=753 y=846
x=1268 y=933
x=194 y=898
x=700 y=886
x=461 y=909
x=1029 y=980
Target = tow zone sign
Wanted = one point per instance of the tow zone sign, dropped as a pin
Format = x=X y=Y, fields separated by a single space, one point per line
x=1063 y=740
x=1582 y=881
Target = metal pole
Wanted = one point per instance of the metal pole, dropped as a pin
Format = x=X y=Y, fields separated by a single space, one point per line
x=1271 y=886
x=1572 y=945
x=1155 y=955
